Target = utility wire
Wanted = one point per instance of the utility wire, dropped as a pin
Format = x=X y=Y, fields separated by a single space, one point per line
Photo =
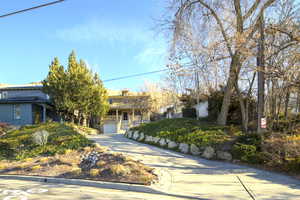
x=142 y=74
x=32 y=8
x=135 y=75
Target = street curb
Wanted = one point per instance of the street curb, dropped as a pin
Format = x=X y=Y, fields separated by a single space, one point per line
x=88 y=183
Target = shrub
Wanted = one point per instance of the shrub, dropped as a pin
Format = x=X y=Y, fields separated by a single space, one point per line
x=247 y=153
x=250 y=139
x=94 y=172
x=119 y=170
x=283 y=152
x=17 y=144
x=40 y=137
x=36 y=167
x=100 y=163
x=185 y=130
x=76 y=170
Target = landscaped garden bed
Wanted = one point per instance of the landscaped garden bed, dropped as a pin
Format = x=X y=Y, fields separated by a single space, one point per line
x=188 y=136
x=65 y=153
x=272 y=151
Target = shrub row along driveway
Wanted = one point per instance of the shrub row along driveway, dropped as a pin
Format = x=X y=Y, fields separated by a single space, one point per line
x=187 y=176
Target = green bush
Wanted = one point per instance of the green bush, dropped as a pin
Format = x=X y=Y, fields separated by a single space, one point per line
x=185 y=130
x=247 y=153
x=250 y=139
x=18 y=144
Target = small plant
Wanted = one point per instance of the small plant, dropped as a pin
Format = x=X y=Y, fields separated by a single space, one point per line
x=94 y=172
x=28 y=160
x=68 y=151
x=146 y=178
x=41 y=137
x=36 y=167
x=101 y=163
x=119 y=170
x=76 y=170
x=3 y=166
x=247 y=153
x=44 y=159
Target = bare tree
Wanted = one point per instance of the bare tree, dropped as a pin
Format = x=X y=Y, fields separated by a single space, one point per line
x=225 y=33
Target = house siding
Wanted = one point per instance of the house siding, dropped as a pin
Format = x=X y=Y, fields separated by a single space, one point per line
x=7 y=114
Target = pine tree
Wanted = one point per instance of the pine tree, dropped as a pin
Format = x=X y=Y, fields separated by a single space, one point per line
x=77 y=92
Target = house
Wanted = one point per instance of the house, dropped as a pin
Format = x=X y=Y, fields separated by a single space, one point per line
x=172 y=111
x=24 y=104
x=199 y=104
x=127 y=109
x=28 y=104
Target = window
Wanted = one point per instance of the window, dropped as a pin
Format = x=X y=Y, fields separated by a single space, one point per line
x=17 y=112
x=125 y=116
x=3 y=95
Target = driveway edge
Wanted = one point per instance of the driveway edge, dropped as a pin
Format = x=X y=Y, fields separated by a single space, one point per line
x=88 y=183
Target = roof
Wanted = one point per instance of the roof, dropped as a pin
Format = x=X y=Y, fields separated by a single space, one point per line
x=118 y=93
x=32 y=99
x=32 y=86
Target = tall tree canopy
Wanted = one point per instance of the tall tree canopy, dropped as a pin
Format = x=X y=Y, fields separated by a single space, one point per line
x=77 y=92
x=220 y=38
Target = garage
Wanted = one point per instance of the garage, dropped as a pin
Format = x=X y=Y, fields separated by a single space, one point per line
x=110 y=128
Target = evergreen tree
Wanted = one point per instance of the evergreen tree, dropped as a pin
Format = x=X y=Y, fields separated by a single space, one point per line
x=77 y=92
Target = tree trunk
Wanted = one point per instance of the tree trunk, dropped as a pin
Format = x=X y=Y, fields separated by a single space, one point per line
x=233 y=75
x=286 y=103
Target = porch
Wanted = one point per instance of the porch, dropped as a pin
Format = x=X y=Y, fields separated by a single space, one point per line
x=121 y=120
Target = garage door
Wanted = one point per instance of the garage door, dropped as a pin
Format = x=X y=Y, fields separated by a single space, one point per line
x=110 y=128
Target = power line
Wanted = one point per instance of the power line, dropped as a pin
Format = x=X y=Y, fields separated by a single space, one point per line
x=135 y=75
x=142 y=74
x=32 y=8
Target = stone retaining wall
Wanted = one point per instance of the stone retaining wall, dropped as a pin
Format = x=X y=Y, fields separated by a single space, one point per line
x=208 y=152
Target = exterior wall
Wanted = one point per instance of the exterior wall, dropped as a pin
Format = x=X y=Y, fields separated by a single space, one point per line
x=7 y=114
x=26 y=93
x=201 y=109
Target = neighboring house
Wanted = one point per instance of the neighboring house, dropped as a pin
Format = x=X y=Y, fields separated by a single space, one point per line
x=24 y=104
x=200 y=104
x=127 y=109
x=172 y=111
x=201 y=109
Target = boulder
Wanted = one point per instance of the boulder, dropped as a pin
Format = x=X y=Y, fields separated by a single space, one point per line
x=223 y=155
x=129 y=135
x=155 y=139
x=142 y=137
x=148 y=138
x=209 y=153
x=126 y=133
x=162 y=142
x=184 y=148
x=136 y=135
x=172 y=145
x=226 y=146
x=195 y=150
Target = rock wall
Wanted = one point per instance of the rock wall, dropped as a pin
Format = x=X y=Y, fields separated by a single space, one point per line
x=208 y=152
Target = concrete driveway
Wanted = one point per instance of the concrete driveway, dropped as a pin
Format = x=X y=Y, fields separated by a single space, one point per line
x=190 y=177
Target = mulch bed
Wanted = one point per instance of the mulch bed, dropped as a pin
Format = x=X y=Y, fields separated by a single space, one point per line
x=90 y=163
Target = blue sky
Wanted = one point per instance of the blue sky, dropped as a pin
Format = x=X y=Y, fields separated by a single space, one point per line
x=116 y=38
